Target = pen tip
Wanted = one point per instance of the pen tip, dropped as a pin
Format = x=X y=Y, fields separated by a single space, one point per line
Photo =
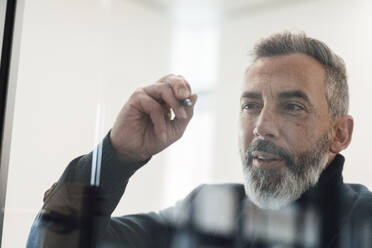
x=186 y=102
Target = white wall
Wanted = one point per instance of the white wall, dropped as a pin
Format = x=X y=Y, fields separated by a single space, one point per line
x=74 y=53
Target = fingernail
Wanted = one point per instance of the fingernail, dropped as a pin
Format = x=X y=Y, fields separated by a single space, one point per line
x=183 y=93
x=163 y=137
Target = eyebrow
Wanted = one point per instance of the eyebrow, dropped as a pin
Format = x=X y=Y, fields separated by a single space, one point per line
x=294 y=94
x=254 y=95
x=283 y=95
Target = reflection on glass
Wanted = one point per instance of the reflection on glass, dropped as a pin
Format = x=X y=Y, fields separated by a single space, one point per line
x=145 y=159
x=293 y=193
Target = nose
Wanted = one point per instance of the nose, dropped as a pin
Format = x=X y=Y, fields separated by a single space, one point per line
x=266 y=125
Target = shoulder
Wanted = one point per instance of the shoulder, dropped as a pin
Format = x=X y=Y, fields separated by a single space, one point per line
x=359 y=188
x=357 y=225
x=362 y=205
x=361 y=193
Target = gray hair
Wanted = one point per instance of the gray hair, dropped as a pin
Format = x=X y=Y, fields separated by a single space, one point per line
x=284 y=43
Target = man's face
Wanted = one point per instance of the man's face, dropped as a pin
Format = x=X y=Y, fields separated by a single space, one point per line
x=284 y=128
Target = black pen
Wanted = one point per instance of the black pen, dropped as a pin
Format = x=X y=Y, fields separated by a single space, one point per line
x=186 y=102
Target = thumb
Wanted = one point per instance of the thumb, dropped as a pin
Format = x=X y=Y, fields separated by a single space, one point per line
x=179 y=125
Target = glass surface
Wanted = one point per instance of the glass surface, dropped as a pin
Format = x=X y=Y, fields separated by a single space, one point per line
x=80 y=61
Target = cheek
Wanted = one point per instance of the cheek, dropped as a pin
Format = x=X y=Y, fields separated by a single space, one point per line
x=245 y=132
x=301 y=133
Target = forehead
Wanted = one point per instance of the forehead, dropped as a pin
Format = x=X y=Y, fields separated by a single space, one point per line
x=287 y=72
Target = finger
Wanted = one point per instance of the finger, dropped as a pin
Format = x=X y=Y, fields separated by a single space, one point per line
x=157 y=115
x=179 y=84
x=167 y=111
x=164 y=93
x=186 y=82
x=179 y=125
x=190 y=110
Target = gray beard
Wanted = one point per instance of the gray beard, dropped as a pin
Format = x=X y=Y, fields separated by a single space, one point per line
x=276 y=187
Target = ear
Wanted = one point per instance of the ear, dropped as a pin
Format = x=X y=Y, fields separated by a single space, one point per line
x=342 y=133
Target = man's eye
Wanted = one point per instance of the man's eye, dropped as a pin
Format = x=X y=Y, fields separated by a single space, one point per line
x=251 y=106
x=293 y=107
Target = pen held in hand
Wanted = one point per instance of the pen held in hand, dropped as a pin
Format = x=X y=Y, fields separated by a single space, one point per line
x=186 y=102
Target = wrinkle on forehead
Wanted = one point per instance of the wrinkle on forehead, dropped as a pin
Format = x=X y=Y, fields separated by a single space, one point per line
x=290 y=72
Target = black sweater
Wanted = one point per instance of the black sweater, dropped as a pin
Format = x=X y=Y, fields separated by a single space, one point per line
x=331 y=214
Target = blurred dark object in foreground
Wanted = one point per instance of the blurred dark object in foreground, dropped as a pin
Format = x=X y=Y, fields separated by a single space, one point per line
x=218 y=217
x=72 y=227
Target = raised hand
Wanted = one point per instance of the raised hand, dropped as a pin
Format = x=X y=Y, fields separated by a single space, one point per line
x=145 y=125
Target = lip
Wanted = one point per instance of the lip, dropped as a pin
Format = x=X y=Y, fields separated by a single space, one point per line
x=265 y=155
x=266 y=160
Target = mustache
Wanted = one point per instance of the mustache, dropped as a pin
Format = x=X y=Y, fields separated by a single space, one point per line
x=268 y=147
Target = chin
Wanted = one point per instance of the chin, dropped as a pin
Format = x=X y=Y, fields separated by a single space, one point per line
x=266 y=201
x=262 y=197
x=287 y=187
x=273 y=188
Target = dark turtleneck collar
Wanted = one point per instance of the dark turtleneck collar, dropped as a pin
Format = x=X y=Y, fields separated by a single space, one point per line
x=330 y=181
x=333 y=172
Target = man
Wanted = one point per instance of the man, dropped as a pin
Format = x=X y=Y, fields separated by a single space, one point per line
x=294 y=122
